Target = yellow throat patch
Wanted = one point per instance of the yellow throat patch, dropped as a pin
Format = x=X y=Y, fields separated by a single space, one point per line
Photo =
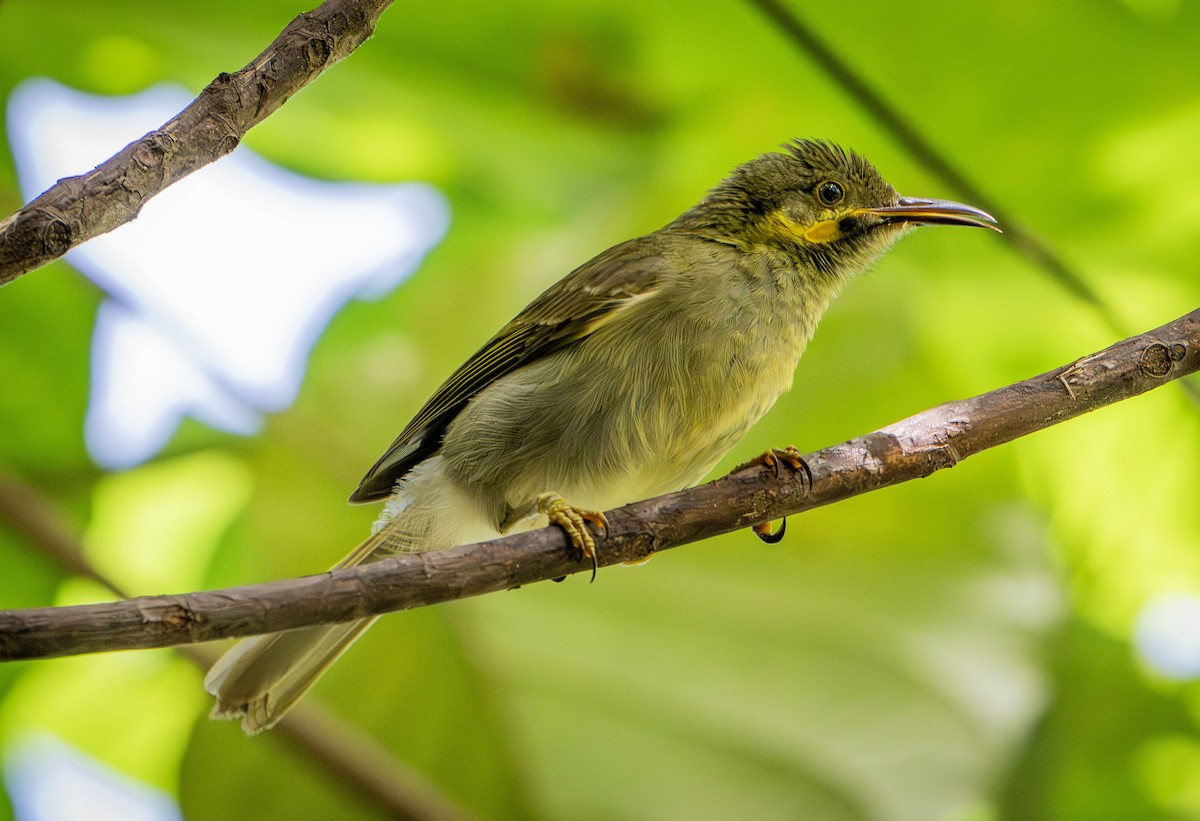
x=819 y=232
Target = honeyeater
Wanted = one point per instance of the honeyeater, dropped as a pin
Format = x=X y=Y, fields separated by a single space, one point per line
x=630 y=377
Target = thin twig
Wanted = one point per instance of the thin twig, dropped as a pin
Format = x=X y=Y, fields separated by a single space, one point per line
x=75 y=209
x=913 y=448
x=1024 y=241
x=926 y=154
x=39 y=522
x=347 y=754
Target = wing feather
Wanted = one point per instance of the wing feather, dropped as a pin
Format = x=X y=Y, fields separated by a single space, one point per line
x=568 y=311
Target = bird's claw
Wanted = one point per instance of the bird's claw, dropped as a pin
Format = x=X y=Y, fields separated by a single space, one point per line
x=793 y=457
x=573 y=522
x=763 y=531
x=773 y=458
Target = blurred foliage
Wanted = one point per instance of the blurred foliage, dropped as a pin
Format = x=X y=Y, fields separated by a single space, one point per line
x=950 y=649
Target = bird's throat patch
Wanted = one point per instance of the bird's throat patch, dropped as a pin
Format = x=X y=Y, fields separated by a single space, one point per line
x=815 y=234
x=823 y=231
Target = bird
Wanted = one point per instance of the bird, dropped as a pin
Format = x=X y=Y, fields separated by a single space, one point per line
x=629 y=378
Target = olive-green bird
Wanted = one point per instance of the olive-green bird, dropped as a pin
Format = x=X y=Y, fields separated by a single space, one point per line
x=629 y=378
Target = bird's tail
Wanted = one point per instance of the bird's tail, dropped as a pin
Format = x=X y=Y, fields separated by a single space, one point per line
x=261 y=678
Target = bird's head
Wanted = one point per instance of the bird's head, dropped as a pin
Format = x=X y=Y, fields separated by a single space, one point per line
x=828 y=209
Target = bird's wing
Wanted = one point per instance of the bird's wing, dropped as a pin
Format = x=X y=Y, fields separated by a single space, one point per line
x=577 y=305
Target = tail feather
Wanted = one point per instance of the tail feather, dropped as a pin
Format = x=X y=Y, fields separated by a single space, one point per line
x=260 y=678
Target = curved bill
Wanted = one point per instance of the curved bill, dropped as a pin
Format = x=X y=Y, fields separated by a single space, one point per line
x=919 y=211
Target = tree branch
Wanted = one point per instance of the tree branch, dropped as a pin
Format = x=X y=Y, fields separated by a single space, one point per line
x=75 y=209
x=913 y=448
x=350 y=757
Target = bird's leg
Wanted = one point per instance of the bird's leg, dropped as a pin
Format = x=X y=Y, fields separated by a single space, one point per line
x=573 y=521
x=773 y=458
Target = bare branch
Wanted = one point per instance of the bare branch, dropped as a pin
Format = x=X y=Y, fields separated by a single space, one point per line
x=75 y=209
x=40 y=523
x=913 y=448
x=358 y=760
x=350 y=757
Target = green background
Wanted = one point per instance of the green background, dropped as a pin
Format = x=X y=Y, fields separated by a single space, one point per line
x=956 y=648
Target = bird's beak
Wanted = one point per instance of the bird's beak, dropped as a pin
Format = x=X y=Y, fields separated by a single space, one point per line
x=916 y=211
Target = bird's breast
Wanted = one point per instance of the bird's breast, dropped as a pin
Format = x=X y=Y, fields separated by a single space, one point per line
x=675 y=383
x=646 y=404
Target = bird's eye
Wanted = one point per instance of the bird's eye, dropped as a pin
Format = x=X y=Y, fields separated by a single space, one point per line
x=830 y=193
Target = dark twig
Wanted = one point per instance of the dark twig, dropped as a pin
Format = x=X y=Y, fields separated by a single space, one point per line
x=76 y=209
x=1025 y=242
x=913 y=448
x=926 y=154
x=39 y=522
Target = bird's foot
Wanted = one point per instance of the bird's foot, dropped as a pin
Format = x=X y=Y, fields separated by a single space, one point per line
x=573 y=520
x=773 y=458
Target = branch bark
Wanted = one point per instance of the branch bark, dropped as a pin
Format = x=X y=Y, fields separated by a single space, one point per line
x=351 y=758
x=916 y=447
x=75 y=209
